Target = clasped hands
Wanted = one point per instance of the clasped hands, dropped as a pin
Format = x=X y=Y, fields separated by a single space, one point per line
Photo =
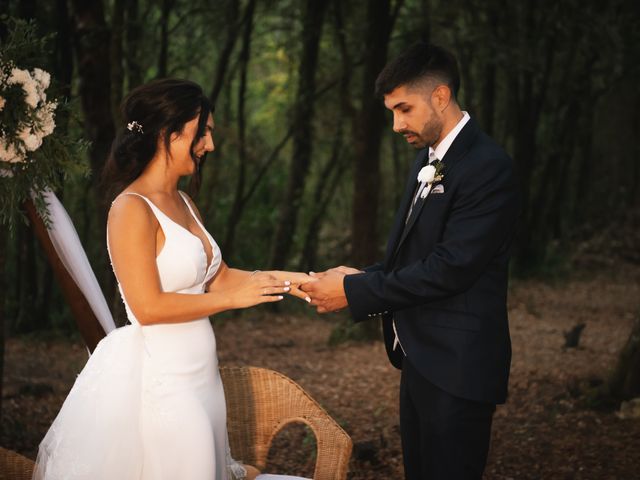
x=323 y=290
x=326 y=291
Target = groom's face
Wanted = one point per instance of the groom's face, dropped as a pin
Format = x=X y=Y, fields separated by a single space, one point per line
x=414 y=115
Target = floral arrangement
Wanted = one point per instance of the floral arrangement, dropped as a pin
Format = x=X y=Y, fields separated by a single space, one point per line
x=32 y=157
x=33 y=119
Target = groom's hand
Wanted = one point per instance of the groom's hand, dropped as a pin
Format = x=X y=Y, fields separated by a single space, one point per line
x=327 y=293
x=345 y=270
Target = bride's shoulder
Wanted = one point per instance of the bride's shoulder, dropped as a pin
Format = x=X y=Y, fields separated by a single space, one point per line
x=130 y=209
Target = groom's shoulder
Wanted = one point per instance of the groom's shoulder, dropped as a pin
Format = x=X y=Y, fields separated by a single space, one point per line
x=487 y=153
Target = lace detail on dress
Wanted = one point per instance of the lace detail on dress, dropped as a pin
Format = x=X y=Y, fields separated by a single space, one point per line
x=86 y=439
x=235 y=470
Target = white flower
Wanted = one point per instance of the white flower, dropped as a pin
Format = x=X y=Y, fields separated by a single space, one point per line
x=2 y=102
x=45 y=115
x=427 y=174
x=29 y=85
x=31 y=141
x=8 y=152
x=42 y=77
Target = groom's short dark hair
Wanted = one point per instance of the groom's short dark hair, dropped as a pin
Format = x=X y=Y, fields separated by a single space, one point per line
x=420 y=62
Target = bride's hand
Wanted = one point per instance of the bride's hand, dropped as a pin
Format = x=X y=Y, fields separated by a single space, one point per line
x=296 y=279
x=260 y=287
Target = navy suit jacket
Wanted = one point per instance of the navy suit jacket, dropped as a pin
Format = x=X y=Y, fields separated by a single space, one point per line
x=444 y=276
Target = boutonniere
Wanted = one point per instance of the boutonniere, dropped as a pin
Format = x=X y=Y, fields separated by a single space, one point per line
x=430 y=174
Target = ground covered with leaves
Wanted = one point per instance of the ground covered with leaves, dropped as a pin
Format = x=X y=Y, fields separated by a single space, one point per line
x=547 y=429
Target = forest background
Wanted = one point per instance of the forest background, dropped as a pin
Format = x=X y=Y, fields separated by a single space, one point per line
x=307 y=172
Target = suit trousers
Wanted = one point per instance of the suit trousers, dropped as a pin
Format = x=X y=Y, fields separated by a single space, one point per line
x=443 y=437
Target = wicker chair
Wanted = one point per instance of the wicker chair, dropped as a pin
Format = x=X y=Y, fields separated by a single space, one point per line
x=14 y=466
x=261 y=402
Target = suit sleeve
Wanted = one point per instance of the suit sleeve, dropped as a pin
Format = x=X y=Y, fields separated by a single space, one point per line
x=376 y=267
x=482 y=219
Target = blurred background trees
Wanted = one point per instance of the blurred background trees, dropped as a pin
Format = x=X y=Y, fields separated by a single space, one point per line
x=307 y=172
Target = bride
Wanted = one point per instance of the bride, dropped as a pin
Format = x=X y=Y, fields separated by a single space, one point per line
x=149 y=404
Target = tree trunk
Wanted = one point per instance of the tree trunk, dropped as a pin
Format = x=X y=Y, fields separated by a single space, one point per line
x=64 y=54
x=367 y=133
x=163 y=56
x=326 y=186
x=133 y=38
x=303 y=112
x=4 y=10
x=26 y=321
x=117 y=71
x=92 y=40
x=227 y=49
x=624 y=382
x=27 y=9
x=237 y=207
x=3 y=295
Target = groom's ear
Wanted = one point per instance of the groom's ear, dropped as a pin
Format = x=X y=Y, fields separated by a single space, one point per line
x=441 y=97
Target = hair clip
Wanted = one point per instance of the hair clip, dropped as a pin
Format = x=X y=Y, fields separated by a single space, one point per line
x=134 y=127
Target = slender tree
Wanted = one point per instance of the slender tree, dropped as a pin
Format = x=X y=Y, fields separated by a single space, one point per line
x=163 y=55
x=132 y=41
x=367 y=134
x=303 y=114
x=92 y=41
x=237 y=206
x=231 y=12
x=117 y=54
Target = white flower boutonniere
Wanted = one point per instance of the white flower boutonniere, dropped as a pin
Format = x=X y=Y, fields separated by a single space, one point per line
x=430 y=174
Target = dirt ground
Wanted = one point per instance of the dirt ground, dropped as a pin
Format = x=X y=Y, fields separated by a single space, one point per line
x=543 y=432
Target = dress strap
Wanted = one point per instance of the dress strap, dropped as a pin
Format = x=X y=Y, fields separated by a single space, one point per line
x=160 y=216
x=193 y=213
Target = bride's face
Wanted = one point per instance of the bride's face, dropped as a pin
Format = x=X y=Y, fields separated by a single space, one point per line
x=180 y=148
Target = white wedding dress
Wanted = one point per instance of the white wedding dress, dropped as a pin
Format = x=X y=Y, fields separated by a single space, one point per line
x=149 y=404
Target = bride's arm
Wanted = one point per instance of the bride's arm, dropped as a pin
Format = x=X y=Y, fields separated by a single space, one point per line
x=132 y=242
x=227 y=277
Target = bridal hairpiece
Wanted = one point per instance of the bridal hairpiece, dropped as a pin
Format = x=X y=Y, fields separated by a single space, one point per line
x=134 y=127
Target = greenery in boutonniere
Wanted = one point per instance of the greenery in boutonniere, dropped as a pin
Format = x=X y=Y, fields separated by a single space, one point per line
x=34 y=156
x=439 y=166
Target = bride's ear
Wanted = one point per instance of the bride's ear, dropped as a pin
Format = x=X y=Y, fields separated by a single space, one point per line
x=173 y=137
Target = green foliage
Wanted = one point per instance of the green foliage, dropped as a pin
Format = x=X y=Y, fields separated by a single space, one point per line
x=32 y=159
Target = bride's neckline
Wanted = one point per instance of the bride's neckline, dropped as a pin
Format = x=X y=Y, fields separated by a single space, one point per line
x=192 y=213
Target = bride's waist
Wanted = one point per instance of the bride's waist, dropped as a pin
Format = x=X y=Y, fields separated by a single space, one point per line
x=180 y=341
x=187 y=326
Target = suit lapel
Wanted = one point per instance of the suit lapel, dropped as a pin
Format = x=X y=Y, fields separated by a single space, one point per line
x=401 y=214
x=457 y=150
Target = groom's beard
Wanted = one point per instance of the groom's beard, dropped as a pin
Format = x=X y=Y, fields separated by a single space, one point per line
x=428 y=136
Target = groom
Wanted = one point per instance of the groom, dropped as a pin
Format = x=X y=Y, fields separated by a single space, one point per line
x=441 y=289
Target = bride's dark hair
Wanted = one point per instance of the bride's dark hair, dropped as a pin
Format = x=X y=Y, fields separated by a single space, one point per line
x=152 y=111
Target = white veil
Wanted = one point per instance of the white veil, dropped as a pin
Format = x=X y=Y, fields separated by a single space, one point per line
x=67 y=244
